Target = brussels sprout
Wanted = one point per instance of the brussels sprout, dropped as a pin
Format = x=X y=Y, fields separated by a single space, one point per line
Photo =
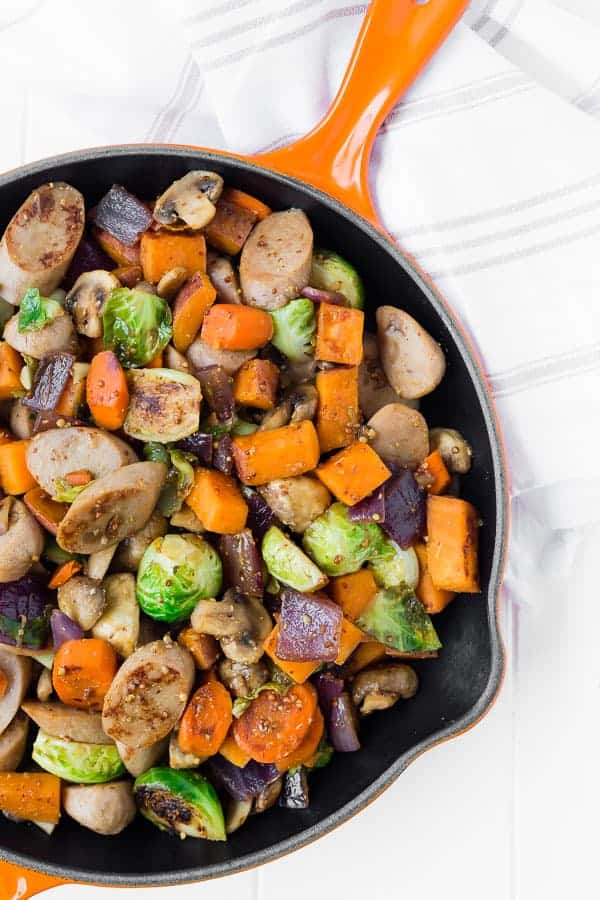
x=76 y=761
x=176 y=571
x=340 y=546
x=180 y=477
x=240 y=426
x=394 y=567
x=180 y=802
x=294 y=329
x=65 y=492
x=332 y=273
x=396 y=618
x=287 y=563
x=136 y=325
x=36 y=311
x=164 y=405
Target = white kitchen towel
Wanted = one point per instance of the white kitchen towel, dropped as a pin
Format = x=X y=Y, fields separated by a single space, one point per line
x=488 y=171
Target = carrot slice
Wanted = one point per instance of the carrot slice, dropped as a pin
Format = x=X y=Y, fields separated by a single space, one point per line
x=156 y=362
x=365 y=654
x=353 y=473
x=434 y=599
x=232 y=753
x=452 y=544
x=274 y=725
x=15 y=477
x=339 y=334
x=338 y=413
x=83 y=672
x=3 y=684
x=217 y=501
x=432 y=474
x=229 y=326
x=47 y=511
x=279 y=453
x=255 y=384
x=206 y=720
x=297 y=671
x=308 y=746
x=246 y=201
x=353 y=592
x=165 y=250
x=64 y=573
x=79 y=477
x=350 y=638
x=11 y=364
x=30 y=795
x=106 y=391
x=193 y=300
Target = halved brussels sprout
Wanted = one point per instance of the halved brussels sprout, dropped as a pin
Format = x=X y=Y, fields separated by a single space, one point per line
x=164 y=405
x=180 y=477
x=287 y=563
x=294 y=329
x=176 y=571
x=339 y=546
x=136 y=325
x=332 y=273
x=394 y=567
x=397 y=619
x=75 y=761
x=180 y=802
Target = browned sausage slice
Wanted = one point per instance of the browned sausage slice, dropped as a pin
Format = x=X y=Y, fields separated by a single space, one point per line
x=21 y=544
x=40 y=241
x=112 y=508
x=66 y=722
x=56 y=336
x=276 y=259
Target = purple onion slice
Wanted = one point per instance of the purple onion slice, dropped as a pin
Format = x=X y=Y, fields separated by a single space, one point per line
x=242 y=563
x=309 y=628
x=370 y=509
x=63 y=629
x=51 y=377
x=244 y=783
x=405 y=509
x=123 y=215
x=342 y=724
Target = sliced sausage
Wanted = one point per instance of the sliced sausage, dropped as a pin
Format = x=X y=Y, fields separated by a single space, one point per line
x=104 y=808
x=86 y=299
x=130 y=551
x=21 y=420
x=56 y=336
x=200 y=355
x=52 y=454
x=83 y=600
x=296 y=501
x=401 y=435
x=413 y=362
x=148 y=694
x=17 y=670
x=276 y=260
x=138 y=760
x=112 y=508
x=40 y=241
x=67 y=722
x=13 y=742
x=21 y=545
x=224 y=279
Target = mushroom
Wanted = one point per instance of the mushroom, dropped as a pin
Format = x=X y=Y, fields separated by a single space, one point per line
x=138 y=760
x=413 y=362
x=268 y=797
x=104 y=808
x=187 y=519
x=171 y=281
x=97 y=564
x=175 y=360
x=13 y=742
x=5 y=505
x=17 y=672
x=21 y=420
x=223 y=278
x=86 y=299
x=21 y=545
x=296 y=501
x=190 y=201
x=241 y=623
x=83 y=600
x=44 y=687
x=379 y=688
x=401 y=437
x=200 y=356
x=454 y=449
x=178 y=758
x=243 y=679
x=119 y=623
x=299 y=403
x=130 y=551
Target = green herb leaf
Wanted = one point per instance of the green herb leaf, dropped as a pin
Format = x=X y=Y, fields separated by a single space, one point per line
x=36 y=311
x=241 y=704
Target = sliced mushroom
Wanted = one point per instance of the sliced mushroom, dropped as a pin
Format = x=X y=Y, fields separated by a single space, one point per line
x=112 y=508
x=138 y=760
x=224 y=278
x=455 y=450
x=268 y=797
x=278 y=417
x=148 y=694
x=83 y=600
x=44 y=687
x=190 y=201
x=379 y=688
x=374 y=390
x=104 y=808
x=296 y=501
x=119 y=623
x=299 y=403
x=171 y=281
x=178 y=758
x=21 y=420
x=401 y=436
x=5 y=506
x=175 y=360
x=86 y=300
x=300 y=372
x=21 y=545
x=53 y=454
x=413 y=362
x=243 y=679
x=276 y=259
x=17 y=671
x=55 y=336
x=200 y=356
x=67 y=722
x=130 y=551
x=187 y=519
x=13 y=742
x=241 y=623
x=97 y=564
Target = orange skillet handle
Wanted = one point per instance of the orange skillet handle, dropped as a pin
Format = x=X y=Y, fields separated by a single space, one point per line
x=397 y=39
x=18 y=884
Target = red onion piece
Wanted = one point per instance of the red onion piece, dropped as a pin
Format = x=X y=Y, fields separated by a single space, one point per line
x=63 y=629
x=329 y=687
x=322 y=296
x=405 y=509
x=260 y=514
x=217 y=390
x=122 y=215
x=309 y=627
x=49 y=418
x=294 y=794
x=342 y=725
x=244 y=783
x=223 y=455
x=24 y=611
x=371 y=509
x=200 y=444
x=242 y=563
x=51 y=377
x=89 y=256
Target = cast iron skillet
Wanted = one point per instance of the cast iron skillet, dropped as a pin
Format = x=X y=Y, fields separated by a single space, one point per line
x=458 y=688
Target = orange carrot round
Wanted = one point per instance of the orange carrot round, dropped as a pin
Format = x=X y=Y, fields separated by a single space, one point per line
x=308 y=746
x=195 y=297
x=247 y=201
x=106 y=391
x=228 y=326
x=64 y=573
x=83 y=672
x=275 y=725
x=206 y=721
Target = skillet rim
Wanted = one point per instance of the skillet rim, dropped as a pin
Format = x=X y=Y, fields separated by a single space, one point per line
x=501 y=488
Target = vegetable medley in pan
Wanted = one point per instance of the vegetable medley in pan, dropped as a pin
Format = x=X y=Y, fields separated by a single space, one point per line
x=225 y=526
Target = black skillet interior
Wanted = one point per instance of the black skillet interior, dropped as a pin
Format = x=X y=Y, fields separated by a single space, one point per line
x=455 y=689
